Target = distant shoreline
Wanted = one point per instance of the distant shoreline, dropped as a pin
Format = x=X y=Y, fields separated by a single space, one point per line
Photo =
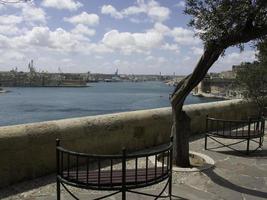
x=208 y=95
x=52 y=86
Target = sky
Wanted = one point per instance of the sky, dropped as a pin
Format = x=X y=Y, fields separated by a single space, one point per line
x=100 y=36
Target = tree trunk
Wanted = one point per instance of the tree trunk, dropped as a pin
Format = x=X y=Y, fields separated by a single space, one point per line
x=181 y=125
x=181 y=122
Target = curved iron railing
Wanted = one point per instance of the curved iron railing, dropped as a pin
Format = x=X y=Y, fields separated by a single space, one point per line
x=235 y=129
x=113 y=172
x=245 y=130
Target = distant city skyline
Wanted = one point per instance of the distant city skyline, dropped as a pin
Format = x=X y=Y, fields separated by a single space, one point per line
x=100 y=36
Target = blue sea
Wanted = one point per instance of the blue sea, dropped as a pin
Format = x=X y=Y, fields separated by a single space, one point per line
x=25 y=105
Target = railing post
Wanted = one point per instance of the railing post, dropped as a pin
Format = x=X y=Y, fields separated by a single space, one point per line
x=58 y=168
x=262 y=130
x=206 y=132
x=170 y=173
x=123 y=188
x=249 y=122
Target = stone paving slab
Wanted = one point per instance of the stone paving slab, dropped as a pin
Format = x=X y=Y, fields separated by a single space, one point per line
x=234 y=176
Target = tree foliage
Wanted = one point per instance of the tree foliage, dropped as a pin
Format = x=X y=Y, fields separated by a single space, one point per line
x=221 y=24
x=262 y=52
x=252 y=78
x=227 y=22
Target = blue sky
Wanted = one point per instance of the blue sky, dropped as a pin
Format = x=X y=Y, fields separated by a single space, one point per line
x=137 y=37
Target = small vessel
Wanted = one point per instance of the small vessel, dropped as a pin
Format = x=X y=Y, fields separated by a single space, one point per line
x=3 y=91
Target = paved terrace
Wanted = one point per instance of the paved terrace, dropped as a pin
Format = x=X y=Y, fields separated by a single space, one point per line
x=234 y=177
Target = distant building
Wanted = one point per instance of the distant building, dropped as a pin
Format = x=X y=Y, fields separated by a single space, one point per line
x=32 y=78
x=219 y=84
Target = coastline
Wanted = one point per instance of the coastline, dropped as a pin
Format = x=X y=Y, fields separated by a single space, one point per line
x=208 y=95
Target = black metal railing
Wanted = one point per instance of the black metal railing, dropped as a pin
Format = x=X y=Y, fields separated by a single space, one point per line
x=113 y=172
x=235 y=128
x=245 y=130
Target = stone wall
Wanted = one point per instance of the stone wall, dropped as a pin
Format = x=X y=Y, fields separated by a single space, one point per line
x=28 y=150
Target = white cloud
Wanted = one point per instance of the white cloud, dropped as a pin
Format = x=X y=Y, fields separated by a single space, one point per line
x=122 y=64
x=171 y=47
x=80 y=29
x=161 y=59
x=181 y=4
x=161 y=28
x=148 y=40
x=62 y=4
x=152 y=59
x=9 y=29
x=12 y=55
x=145 y=42
x=10 y=19
x=4 y=42
x=33 y=14
x=67 y=60
x=181 y=36
x=42 y=39
x=38 y=36
x=159 y=13
x=197 y=50
x=134 y=10
x=132 y=42
x=115 y=39
x=61 y=38
x=98 y=48
x=138 y=21
x=84 y=18
x=184 y=36
x=149 y=58
x=150 y=8
x=25 y=13
x=110 y=10
x=234 y=58
x=99 y=57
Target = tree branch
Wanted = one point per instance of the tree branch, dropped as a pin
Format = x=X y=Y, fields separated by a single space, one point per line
x=251 y=33
x=210 y=55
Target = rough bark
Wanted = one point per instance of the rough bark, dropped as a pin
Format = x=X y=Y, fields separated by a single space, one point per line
x=181 y=125
x=181 y=122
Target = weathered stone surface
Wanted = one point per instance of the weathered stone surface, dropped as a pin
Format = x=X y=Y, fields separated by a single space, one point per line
x=186 y=192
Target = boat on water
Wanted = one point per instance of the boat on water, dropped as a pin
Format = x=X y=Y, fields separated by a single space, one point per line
x=3 y=91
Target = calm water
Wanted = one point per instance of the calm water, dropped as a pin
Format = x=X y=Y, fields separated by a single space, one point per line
x=24 y=105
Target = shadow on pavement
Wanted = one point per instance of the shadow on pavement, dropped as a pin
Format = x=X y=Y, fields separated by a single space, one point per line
x=227 y=184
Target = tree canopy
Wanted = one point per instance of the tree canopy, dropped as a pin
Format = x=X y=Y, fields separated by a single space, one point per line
x=262 y=52
x=252 y=78
x=228 y=22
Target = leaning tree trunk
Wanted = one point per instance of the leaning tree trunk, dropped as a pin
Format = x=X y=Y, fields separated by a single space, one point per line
x=181 y=122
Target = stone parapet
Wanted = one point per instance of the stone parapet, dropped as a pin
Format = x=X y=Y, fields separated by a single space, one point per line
x=28 y=150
